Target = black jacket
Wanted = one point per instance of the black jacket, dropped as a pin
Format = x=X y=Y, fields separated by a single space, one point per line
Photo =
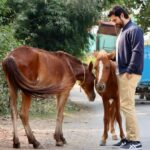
x=131 y=49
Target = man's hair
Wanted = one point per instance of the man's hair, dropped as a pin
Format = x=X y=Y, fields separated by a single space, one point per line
x=117 y=11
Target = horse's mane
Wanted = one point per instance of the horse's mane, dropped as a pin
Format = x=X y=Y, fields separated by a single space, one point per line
x=61 y=54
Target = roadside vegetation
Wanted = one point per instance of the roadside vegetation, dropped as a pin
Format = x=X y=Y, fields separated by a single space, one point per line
x=55 y=25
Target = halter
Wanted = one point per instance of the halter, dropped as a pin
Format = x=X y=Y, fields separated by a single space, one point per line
x=81 y=83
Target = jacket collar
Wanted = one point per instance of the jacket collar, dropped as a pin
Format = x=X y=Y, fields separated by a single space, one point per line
x=127 y=25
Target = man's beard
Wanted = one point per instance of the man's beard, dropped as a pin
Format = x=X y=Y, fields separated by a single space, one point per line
x=121 y=24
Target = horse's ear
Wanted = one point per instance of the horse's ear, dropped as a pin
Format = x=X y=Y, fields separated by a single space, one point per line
x=90 y=66
x=112 y=55
x=95 y=54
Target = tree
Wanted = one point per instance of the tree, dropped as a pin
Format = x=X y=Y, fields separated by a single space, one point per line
x=140 y=9
x=143 y=17
x=56 y=24
x=6 y=13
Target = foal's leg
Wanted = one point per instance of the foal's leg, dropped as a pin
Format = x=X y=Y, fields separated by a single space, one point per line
x=58 y=135
x=24 y=115
x=14 y=114
x=119 y=119
x=112 y=120
x=106 y=122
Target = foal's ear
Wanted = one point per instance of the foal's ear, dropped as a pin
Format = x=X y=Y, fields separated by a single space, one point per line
x=90 y=66
x=95 y=54
x=112 y=55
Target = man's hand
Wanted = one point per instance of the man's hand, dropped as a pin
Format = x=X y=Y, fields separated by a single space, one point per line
x=128 y=75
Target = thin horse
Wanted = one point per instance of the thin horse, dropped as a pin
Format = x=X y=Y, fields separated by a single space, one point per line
x=107 y=87
x=38 y=73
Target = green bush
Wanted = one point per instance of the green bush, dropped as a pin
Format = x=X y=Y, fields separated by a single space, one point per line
x=56 y=24
x=38 y=107
x=7 y=43
x=4 y=99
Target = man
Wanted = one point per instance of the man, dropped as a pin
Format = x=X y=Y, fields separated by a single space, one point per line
x=129 y=58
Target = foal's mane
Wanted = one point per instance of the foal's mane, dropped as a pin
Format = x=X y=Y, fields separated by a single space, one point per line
x=102 y=55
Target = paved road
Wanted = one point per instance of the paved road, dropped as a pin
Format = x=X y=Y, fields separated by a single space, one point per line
x=96 y=122
x=82 y=130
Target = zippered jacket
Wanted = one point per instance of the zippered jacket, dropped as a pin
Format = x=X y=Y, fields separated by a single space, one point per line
x=131 y=49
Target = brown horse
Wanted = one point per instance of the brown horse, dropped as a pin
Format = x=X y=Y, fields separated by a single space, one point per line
x=106 y=85
x=39 y=73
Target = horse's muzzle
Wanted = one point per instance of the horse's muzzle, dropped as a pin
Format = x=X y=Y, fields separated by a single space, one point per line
x=92 y=98
x=100 y=87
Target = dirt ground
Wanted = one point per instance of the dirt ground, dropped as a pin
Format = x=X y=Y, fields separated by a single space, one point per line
x=81 y=129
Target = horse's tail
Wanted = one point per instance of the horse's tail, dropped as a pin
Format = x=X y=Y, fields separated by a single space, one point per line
x=18 y=81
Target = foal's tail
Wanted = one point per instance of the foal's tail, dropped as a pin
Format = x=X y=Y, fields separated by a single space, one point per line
x=18 y=81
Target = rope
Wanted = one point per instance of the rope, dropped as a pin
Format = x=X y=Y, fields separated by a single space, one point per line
x=81 y=83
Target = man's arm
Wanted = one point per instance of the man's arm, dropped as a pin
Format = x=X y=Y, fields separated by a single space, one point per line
x=137 y=45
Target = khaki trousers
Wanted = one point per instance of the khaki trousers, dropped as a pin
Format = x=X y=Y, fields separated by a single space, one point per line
x=127 y=89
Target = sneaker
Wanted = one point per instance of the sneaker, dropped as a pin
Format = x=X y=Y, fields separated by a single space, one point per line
x=121 y=143
x=132 y=145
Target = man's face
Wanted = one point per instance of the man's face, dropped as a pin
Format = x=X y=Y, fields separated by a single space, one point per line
x=117 y=20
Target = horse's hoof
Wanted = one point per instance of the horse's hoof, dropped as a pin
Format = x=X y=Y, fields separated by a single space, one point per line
x=16 y=145
x=114 y=137
x=60 y=143
x=36 y=145
x=102 y=143
x=40 y=147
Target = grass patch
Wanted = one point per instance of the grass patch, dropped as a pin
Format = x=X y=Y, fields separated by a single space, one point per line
x=47 y=108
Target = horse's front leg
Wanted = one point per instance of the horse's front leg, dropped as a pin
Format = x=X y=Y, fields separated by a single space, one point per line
x=106 y=122
x=58 y=135
x=112 y=120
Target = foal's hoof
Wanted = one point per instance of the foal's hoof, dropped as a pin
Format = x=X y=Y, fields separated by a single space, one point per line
x=114 y=137
x=59 y=143
x=63 y=140
x=16 y=145
x=102 y=143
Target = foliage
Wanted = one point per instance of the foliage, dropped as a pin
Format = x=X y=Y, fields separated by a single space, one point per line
x=7 y=42
x=48 y=107
x=6 y=15
x=143 y=17
x=139 y=8
x=4 y=99
x=57 y=25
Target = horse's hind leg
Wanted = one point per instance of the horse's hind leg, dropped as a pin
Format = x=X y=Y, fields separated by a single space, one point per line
x=24 y=115
x=61 y=101
x=14 y=114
